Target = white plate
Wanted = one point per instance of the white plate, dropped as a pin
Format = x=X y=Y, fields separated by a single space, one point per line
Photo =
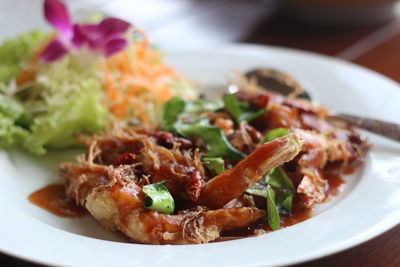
x=369 y=205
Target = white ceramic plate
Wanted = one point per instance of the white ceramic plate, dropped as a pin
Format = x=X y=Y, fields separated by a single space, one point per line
x=368 y=206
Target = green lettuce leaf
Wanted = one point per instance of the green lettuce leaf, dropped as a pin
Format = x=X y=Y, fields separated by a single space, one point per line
x=11 y=134
x=81 y=113
x=17 y=52
x=63 y=101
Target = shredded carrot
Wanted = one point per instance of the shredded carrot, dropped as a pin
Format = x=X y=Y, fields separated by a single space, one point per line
x=25 y=77
x=133 y=73
x=136 y=80
x=111 y=93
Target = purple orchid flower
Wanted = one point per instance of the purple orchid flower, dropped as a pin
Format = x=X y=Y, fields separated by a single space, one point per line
x=105 y=37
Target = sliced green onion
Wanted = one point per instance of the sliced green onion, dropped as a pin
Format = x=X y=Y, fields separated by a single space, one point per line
x=158 y=198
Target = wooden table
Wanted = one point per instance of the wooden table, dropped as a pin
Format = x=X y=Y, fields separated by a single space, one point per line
x=376 y=47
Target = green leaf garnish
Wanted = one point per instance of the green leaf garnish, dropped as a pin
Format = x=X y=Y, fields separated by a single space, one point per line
x=170 y=113
x=213 y=137
x=158 y=198
x=273 y=217
x=240 y=111
x=284 y=200
x=268 y=193
x=275 y=133
x=202 y=105
x=176 y=106
x=278 y=179
x=304 y=95
x=216 y=165
x=261 y=192
x=283 y=186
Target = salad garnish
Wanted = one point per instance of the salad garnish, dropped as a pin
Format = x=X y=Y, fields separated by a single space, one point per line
x=79 y=79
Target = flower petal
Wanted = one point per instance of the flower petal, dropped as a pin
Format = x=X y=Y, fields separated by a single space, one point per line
x=54 y=50
x=78 y=38
x=90 y=31
x=112 y=26
x=88 y=34
x=56 y=14
x=114 y=45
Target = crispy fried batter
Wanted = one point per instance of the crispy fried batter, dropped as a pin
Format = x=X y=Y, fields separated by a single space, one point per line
x=118 y=203
x=108 y=179
x=232 y=183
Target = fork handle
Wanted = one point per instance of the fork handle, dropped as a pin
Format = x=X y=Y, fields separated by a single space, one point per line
x=384 y=128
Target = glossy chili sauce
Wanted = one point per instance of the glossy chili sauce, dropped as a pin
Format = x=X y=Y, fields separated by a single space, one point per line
x=53 y=199
x=335 y=183
x=127 y=199
x=298 y=214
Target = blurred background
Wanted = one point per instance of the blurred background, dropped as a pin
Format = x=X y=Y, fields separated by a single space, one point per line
x=366 y=32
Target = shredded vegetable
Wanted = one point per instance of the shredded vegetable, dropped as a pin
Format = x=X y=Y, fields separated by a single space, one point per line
x=15 y=54
x=138 y=83
x=79 y=93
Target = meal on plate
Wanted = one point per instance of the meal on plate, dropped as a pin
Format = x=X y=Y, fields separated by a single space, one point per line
x=164 y=165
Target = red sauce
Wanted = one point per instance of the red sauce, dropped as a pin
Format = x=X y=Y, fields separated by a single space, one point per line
x=299 y=213
x=349 y=170
x=335 y=183
x=127 y=199
x=53 y=199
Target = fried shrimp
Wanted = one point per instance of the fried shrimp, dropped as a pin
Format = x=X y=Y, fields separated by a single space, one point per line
x=115 y=198
x=140 y=147
x=213 y=172
x=232 y=183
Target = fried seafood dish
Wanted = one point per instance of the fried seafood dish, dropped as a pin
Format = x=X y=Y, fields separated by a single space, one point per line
x=213 y=168
x=204 y=170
